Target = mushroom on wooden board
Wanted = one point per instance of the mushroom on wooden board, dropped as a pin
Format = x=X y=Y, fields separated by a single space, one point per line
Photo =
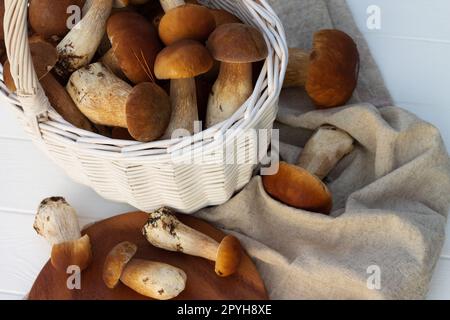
x=107 y=100
x=181 y=63
x=163 y=230
x=236 y=46
x=44 y=58
x=78 y=47
x=152 y=279
x=135 y=45
x=185 y=22
x=49 y=18
x=57 y=222
x=329 y=73
x=300 y=186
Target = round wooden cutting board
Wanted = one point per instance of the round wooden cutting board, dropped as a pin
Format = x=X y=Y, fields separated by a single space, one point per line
x=202 y=282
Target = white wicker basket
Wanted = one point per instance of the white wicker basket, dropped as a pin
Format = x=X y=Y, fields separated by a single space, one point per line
x=151 y=175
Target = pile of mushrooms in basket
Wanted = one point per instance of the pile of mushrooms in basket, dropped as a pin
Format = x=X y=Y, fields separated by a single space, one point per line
x=141 y=69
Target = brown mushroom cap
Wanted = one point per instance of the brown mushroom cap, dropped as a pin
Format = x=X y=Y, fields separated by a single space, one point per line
x=229 y=256
x=148 y=112
x=116 y=262
x=298 y=188
x=189 y=21
x=182 y=60
x=72 y=253
x=237 y=43
x=333 y=69
x=135 y=45
x=223 y=17
x=44 y=57
x=48 y=18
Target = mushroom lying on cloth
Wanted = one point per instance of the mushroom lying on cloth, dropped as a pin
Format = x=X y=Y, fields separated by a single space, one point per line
x=236 y=46
x=135 y=45
x=152 y=279
x=300 y=186
x=57 y=222
x=107 y=100
x=324 y=150
x=44 y=59
x=329 y=73
x=165 y=231
x=181 y=63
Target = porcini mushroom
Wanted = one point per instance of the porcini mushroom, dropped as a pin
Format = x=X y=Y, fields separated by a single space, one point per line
x=78 y=47
x=151 y=279
x=185 y=22
x=165 y=231
x=300 y=186
x=329 y=73
x=236 y=46
x=296 y=187
x=44 y=59
x=181 y=63
x=135 y=45
x=49 y=18
x=57 y=222
x=107 y=100
x=324 y=150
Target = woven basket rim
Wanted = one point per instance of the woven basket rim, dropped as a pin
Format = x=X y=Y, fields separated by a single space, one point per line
x=80 y=138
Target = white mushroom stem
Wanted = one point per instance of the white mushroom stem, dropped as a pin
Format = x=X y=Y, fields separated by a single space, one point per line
x=183 y=96
x=78 y=47
x=232 y=88
x=324 y=150
x=165 y=231
x=116 y=4
x=57 y=221
x=100 y=95
x=110 y=61
x=168 y=5
x=87 y=6
x=154 y=279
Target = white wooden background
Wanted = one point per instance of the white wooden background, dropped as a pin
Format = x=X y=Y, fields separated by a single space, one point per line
x=412 y=49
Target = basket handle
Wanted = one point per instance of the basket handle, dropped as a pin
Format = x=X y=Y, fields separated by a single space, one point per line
x=29 y=90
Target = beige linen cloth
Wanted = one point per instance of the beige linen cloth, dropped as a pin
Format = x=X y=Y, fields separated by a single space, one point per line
x=391 y=195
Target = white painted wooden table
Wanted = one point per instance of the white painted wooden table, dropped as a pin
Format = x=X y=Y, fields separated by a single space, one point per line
x=412 y=49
